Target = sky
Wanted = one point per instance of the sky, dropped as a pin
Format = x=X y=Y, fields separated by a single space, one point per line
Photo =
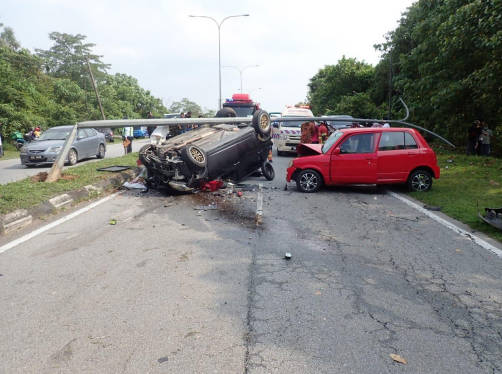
x=175 y=56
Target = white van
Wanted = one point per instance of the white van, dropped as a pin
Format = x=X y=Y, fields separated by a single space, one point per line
x=287 y=135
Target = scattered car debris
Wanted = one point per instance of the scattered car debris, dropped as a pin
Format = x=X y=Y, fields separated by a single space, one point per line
x=114 y=168
x=398 y=358
x=135 y=186
x=492 y=216
x=432 y=207
x=287 y=256
x=113 y=221
x=139 y=182
x=211 y=206
x=163 y=359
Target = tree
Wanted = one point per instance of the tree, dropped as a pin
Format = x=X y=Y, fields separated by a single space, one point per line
x=330 y=84
x=68 y=57
x=184 y=106
x=7 y=38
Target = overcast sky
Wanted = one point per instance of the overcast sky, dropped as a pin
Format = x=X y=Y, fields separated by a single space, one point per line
x=175 y=56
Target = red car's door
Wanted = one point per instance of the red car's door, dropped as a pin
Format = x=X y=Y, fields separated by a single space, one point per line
x=354 y=160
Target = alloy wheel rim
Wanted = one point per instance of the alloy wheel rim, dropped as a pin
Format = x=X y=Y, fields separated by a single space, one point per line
x=101 y=150
x=73 y=156
x=309 y=181
x=197 y=155
x=420 y=182
x=263 y=122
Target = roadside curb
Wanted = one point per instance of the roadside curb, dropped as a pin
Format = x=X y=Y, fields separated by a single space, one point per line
x=21 y=218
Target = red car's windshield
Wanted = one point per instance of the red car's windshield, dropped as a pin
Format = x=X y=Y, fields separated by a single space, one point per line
x=331 y=140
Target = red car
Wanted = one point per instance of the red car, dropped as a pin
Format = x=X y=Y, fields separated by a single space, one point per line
x=366 y=156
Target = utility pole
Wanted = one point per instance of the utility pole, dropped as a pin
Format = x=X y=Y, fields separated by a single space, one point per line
x=390 y=85
x=95 y=89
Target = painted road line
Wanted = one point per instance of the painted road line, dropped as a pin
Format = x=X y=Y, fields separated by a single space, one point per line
x=451 y=226
x=51 y=225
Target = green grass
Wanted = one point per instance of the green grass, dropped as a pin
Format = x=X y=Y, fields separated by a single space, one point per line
x=465 y=182
x=27 y=193
x=10 y=151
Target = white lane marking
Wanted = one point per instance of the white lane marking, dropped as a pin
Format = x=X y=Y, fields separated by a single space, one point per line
x=39 y=231
x=451 y=226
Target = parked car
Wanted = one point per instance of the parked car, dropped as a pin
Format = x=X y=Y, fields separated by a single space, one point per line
x=366 y=156
x=140 y=132
x=44 y=150
x=186 y=161
x=108 y=132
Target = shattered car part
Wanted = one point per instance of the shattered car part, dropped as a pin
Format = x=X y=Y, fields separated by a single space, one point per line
x=187 y=161
x=493 y=216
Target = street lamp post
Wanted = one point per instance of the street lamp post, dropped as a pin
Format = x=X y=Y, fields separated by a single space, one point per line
x=218 y=24
x=241 y=70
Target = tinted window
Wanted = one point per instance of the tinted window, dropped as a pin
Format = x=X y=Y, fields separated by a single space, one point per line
x=81 y=134
x=409 y=141
x=391 y=141
x=360 y=143
x=90 y=132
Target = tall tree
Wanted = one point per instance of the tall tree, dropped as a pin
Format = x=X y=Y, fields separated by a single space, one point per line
x=185 y=105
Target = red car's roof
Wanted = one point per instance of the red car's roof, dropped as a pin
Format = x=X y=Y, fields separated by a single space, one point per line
x=375 y=129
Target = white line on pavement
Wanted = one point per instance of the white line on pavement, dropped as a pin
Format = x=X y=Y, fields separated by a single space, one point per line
x=450 y=225
x=42 y=229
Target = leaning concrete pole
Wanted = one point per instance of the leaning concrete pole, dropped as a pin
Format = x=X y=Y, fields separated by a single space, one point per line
x=95 y=89
x=55 y=172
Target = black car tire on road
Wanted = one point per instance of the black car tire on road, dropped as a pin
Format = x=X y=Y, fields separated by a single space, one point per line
x=268 y=171
x=261 y=123
x=308 y=181
x=101 y=151
x=197 y=156
x=420 y=180
x=72 y=156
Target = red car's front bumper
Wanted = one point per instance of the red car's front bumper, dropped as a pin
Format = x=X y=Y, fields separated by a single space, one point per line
x=289 y=173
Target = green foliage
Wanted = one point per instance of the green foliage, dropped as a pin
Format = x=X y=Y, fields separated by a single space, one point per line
x=53 y=87
x=358 y=105
x=330 y=84
x=184 y=106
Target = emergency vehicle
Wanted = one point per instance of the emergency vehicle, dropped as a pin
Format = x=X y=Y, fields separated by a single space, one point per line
x=287 y=135
x=242 y=104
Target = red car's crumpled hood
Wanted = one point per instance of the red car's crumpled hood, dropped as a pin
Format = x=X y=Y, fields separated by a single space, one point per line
x=309 y=149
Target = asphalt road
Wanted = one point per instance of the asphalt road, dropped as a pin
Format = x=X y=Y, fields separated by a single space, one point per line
x=173 y=289
x=12 y=170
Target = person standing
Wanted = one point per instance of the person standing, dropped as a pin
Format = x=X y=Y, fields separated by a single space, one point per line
x=323 y=132
x=307 y=132
x=150 y=129
x=484 y=140
x=127 y=138
x=473 y=134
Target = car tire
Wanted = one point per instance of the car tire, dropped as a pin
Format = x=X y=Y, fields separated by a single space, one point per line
x=308 y=181
x=225 y=112
x=197 y=156
x=261 y=123
x=72 y=156
x=264 y=138
x=268 y=171
x=420 y=180
x=101 y=151
x=142 y=155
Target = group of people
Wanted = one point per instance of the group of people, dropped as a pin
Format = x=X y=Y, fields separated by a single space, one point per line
x=478 y=139
x=312 y=133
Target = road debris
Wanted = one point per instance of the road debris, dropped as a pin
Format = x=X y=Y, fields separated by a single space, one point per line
x=398 y=358
x=163 y=359
x=492 y=216
x=432 y=207
x=287 y=256
x=113 y=221
x=114 y=168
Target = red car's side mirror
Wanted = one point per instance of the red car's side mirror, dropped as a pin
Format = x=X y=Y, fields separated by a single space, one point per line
x=336 y=151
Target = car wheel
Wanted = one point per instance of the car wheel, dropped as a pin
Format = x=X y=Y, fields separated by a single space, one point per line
x=308 y=181
x=197 y=156
x=420 y=180
x=268 y=171
x=264 y=138
x=72 y=156
x=101 y=151
x=261 y=123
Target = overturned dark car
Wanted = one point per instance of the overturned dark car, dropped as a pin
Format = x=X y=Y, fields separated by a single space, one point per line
x=224 y=151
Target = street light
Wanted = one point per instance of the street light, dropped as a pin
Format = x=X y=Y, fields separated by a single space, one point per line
x=218 y=24
x=241 y=70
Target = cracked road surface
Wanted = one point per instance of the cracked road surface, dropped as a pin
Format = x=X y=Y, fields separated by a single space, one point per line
x=172 y=289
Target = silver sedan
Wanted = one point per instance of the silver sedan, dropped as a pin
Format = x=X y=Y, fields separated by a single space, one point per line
x=44 y=150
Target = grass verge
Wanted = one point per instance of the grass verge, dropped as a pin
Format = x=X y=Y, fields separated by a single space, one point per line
x=27 y=192
x=10 y=152
x=465 y=183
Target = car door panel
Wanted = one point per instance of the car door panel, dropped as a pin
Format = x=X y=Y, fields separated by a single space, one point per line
x=357 y=160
